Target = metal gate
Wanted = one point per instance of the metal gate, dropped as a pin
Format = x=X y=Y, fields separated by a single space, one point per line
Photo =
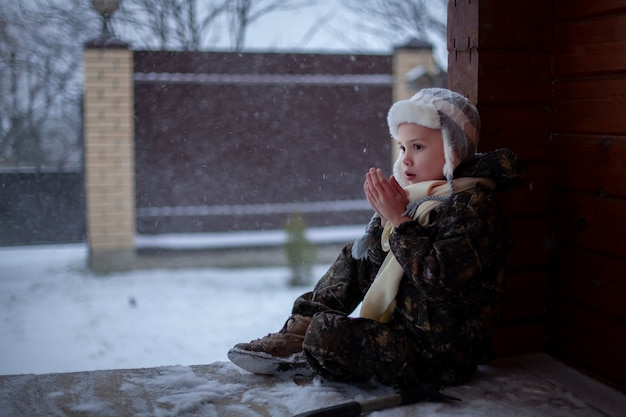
x=239 y=141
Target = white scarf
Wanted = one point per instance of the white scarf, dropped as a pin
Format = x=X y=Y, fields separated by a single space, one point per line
x=379 y=302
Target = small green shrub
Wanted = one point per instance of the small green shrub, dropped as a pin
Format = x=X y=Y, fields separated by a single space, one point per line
x=300 y=252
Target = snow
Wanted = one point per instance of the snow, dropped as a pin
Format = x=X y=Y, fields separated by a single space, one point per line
x=56 y=316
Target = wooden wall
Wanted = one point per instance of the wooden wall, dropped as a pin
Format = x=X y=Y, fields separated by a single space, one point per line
x=549 y=79
x=587 y=309
x=505 y=69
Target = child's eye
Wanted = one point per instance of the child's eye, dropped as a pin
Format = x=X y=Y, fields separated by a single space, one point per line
x=402 y=148
x=417 y=147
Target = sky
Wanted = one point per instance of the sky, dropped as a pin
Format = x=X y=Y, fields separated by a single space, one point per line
x=301 y=29
x=324 y=27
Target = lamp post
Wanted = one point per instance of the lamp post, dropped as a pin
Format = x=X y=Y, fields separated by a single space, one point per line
x=106 y=39
x=106 y=9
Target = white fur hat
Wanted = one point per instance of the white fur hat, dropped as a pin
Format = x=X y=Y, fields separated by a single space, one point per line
x=439 y=108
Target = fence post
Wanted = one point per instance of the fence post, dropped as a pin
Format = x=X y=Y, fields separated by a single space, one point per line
x=109 y=154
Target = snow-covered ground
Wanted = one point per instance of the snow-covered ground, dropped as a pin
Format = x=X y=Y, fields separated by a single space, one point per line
x=56 y=316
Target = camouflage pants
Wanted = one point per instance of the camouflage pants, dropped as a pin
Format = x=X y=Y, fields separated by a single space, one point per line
x=351 y=349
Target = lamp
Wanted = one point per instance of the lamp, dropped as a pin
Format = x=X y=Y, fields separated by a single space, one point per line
x=106 y=9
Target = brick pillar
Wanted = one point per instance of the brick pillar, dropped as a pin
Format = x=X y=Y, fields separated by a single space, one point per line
x=405 y=58
x=109 y=155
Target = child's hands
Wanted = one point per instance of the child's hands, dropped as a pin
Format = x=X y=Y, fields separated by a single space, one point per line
x=387 y=197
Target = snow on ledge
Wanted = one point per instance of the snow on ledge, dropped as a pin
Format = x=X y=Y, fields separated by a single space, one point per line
x=530 y=386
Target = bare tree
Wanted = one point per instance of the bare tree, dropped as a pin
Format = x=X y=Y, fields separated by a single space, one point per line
x=193 y=24
x=39 y=81
x=399 y=20
x=41 y=45
x=242 y=13
x=175 y=24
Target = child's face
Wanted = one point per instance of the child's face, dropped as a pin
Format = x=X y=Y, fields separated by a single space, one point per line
x=421 y=151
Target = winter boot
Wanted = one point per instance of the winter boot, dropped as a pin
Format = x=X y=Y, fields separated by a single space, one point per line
x=276 y=352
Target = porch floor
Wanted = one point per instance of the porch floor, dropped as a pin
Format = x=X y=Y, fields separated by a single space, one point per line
x=530 y=385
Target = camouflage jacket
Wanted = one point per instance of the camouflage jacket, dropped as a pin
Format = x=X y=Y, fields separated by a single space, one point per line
x=449 y=298
x=451 y=293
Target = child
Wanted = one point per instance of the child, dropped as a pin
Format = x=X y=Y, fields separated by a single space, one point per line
x=428 y=272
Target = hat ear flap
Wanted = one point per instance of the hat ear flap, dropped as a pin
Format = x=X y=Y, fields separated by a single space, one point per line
x=451 y=158
x=398 y=173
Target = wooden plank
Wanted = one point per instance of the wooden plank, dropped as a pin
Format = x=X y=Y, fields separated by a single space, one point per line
x=531 y=243
x=462 y=25
x=506 y=77
x=525 y=295
x=592 y=281
x=582 y=9
x=463 y=73
x=526 y=129
x=591 y=60
x=593 y=106
x=594 y=340
x=600 y=158
x=574 y=36
x=587 y=89
x=590 y=46
x=515 y=25
x=589 y=223
x=518 y=339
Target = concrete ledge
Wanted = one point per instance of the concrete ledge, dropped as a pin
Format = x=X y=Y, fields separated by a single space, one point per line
x=219 y=250
x=261 y=256
x=105 y=261
x=531 y=386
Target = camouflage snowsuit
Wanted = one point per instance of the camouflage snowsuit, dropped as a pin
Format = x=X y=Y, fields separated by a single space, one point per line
x=448 y=302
